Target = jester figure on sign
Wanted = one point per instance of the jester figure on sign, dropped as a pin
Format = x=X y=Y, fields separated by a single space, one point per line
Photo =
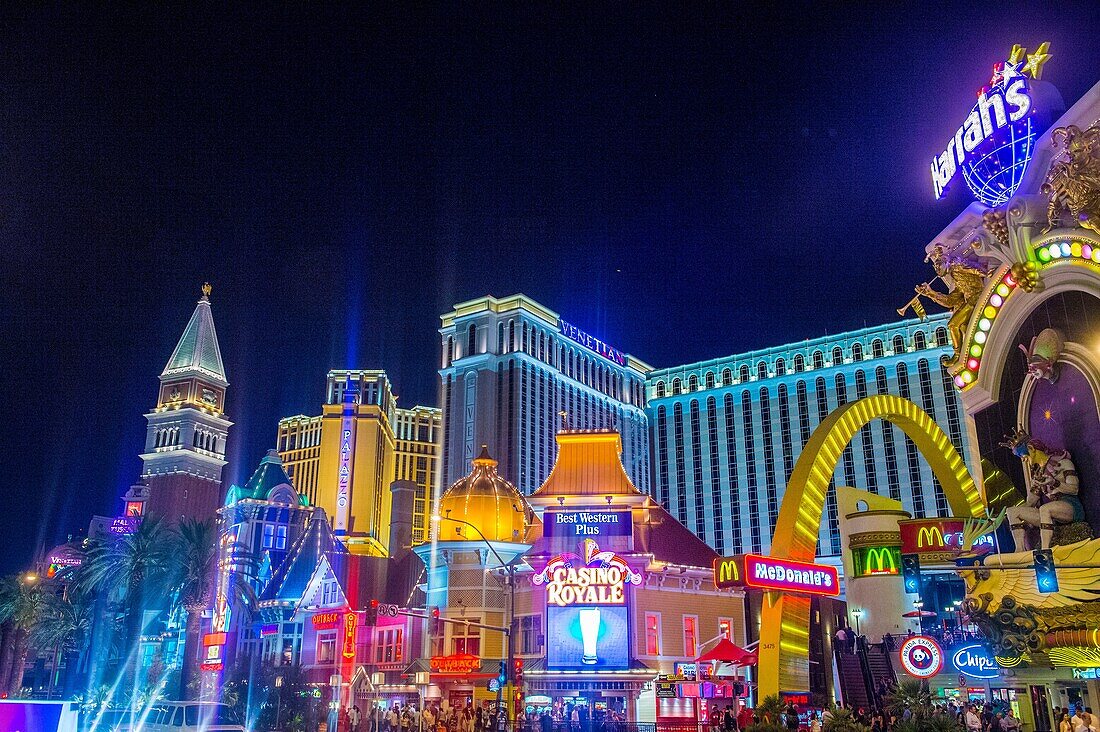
x=1052 y=493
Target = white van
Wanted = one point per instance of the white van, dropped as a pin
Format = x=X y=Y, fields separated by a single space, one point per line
x=168 y=716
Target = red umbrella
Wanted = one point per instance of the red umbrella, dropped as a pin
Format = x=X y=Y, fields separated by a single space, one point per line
x=726 y=652
x=919 y=614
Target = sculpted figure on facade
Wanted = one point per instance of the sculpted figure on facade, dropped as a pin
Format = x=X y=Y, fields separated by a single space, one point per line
x=965 y=276
x=1043 y=353
x=1052 y=494
x=1073 y=183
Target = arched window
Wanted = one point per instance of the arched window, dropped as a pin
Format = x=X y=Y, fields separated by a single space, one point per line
x=542 y=346
x=511 y=336
x=500 y=338
x=449 y=355
x=818 y=360
x=709 y=380
x=676 y=386
x=857 y=351
x=877 y=351
x=919 y=340
x=693 y=383
x=941 y=336
x=743 y=373
x=838 y=356
x=761 y=370
x=880 y=380
x=659 y=389
x=899 y=344
x=799 y=363
x=780 y=366
x=727 y=377
x=471 y=340
x=524 y=343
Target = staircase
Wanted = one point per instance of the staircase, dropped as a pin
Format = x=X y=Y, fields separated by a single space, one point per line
x=853 y=684
x=879 y=665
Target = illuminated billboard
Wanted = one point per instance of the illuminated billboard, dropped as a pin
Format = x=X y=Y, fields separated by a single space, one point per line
x=939 y=536
x=587 y=524
x=580 y=637
x=770 y=573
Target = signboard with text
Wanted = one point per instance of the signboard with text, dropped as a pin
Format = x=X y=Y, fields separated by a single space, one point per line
x=577 y=335
x=770 y=573
x=938 y=536
x=587 y=524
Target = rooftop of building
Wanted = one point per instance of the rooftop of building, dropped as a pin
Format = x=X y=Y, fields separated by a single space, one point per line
x=197 y=352
x=824 y=344
x=520 y=302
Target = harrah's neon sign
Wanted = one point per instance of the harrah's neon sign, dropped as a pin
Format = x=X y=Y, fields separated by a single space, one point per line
x=1007 y=102
x=577 y=335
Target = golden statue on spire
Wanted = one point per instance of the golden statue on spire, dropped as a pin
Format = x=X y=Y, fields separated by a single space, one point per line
x=206 y=288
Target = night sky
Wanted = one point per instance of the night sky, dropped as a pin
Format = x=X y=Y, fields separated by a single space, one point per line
x=684 y=182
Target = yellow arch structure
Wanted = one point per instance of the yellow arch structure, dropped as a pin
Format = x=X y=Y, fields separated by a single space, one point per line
x=784 y=619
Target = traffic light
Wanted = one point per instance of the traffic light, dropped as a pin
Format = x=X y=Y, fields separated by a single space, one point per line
x=517 y=672
x=502 y=677
x=371 y=618
x=1045 y=577
x=910 y=573
x=434 y=624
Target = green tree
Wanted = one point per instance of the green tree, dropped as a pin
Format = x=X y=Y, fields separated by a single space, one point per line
x=842 y=720
x=65 y=629
x=21 y=605
x=908 y=694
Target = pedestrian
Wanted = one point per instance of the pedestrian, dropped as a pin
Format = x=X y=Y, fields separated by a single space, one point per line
x=354 y=719
x=972 y=720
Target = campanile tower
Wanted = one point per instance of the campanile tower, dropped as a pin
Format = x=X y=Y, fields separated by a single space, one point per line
x=185 y=444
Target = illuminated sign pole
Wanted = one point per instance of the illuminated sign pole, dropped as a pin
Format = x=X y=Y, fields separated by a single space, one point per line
x=346 y=463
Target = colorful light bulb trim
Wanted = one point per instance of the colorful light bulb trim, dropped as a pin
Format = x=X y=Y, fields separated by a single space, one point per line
x=995 y=300
x=1050 y=253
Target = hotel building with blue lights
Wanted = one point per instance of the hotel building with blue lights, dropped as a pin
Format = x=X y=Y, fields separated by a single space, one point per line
x=715 y=441
x=726 y=432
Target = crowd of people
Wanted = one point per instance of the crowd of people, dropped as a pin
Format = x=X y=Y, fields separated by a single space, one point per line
x=1076 y=719
x=437 y=718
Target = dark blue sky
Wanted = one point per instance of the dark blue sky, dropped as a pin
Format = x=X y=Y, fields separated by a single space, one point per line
x=684 y=182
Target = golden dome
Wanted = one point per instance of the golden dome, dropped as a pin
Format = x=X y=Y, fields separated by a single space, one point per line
x=486 y=501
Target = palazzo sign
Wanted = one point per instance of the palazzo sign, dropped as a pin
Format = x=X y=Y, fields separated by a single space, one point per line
x=770 y=573
x=577 y=335
x=597 y=578
x=587 y=524
x=938 y=536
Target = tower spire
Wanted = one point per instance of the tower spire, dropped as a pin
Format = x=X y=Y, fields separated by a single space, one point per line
x=197 y=353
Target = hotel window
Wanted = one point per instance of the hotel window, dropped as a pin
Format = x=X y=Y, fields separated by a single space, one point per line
x=653 y=634
x=466 y=639
x=780 y=366
x=725 y=628
x=941 y=336
x=500 y=338
x=818 y=360
x=761 y=370
x=326 y=648
x=696 y=465
x=715 y=476
x=857 y=351
x=511 y=336
x=691 y=636
x=799 y=364
x=388 y=645
x=731 y=470
x=769 y=457
x=530 y=634
x=954 y=419
x=274 y=536
x=899 y=345
x=330 y=592
x=681 y=470
x=710 y=380
x=743 y=373
x=877 y=351
x=838 y=356
x=675 y=386
x=693 y=383
x=870 y=467
x=803 y=414
x=887 y=432
x=727 y=377
x=750 y=469
x=919 y=340
x=785 y=432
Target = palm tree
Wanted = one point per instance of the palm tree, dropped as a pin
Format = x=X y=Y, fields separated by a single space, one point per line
x=123 y=571
x=197 y=572
x=21 y=603
x=909 y=694
x=65 y=626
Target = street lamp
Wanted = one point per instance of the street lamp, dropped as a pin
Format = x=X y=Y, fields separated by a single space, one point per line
x=918 y=605
x=856 y=615
x=510 y=569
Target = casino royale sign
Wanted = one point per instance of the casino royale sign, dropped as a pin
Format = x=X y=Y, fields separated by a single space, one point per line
x=577 y=335
x=596 y=578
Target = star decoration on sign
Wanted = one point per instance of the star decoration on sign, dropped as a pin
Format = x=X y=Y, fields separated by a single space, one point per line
x=1017 y=54
x=1035 y=61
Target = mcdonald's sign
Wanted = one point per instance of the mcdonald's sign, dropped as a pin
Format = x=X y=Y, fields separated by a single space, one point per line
x=729 y=572
x=938 y=536
x=875 y=560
